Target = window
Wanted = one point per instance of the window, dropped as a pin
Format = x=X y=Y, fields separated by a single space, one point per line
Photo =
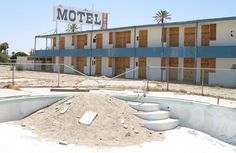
x=110 y=38
x=54 y=42
x=189 y=36
x=73 y=41
x=212 y=31
x=128 y=36
x=164 y=34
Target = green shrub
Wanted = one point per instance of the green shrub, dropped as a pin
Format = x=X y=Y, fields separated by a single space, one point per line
x=19 y=67
x=3 y=58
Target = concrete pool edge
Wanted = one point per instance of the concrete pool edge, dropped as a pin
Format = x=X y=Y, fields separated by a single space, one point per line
x=217 y=121
x=16 y=108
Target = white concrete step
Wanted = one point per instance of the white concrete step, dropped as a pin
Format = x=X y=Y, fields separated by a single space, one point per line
x=157 y=115
x=144 y=107
x=161 y=125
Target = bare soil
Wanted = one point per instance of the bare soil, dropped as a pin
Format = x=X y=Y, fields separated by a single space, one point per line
x=115 y=124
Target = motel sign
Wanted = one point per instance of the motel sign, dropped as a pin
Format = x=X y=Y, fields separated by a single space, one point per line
x=79 y=16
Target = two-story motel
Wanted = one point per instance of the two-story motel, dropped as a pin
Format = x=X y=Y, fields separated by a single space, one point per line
x=208 y=43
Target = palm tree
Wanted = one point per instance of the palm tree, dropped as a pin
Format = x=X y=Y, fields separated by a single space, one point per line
x=160 y=17
x=72 y=27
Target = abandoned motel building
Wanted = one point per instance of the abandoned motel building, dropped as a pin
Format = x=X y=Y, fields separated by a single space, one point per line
x=187 y=47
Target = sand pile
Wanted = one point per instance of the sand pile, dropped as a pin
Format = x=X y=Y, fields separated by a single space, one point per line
x=115 y=124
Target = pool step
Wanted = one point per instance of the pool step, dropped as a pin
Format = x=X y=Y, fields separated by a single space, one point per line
x=157 y=115
x=144 y=107
x=161 y=125
x=152 y=117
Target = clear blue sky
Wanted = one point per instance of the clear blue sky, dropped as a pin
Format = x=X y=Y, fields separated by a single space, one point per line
x=21 y=20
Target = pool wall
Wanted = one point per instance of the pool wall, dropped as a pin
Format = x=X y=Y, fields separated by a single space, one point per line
x=17 y=108
x=217 y=121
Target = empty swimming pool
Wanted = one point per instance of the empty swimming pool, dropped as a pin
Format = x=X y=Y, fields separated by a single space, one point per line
x=217 y=121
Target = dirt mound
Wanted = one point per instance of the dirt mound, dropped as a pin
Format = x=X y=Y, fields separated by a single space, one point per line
x=115 y=124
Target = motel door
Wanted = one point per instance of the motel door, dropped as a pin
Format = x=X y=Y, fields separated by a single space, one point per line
x=98 y=65
x=173 y=72
x=121 y=63
x=142 y=68
x=207 y=63
x=189 y=70
x=81 y=63
x=61 y=66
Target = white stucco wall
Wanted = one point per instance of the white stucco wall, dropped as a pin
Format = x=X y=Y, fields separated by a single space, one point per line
x=133 y=73
x=224 y=77
x=69 y=67
x=154 y=70
x=106 y=70
x=56 y=67
x=68 y=42
x=93 y=66
x=27 y=64
x=223 y=30
x=198 y=71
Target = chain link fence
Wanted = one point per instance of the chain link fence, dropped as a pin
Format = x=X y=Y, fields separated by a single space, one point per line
x=202 y=81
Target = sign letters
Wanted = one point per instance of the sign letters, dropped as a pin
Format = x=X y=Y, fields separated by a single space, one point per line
x=78 y=16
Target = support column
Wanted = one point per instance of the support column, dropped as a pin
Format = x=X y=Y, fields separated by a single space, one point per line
x=181 y=70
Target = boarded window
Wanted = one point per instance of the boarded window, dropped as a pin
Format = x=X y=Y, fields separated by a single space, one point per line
x=62 y=42
x=212 y=31
x=73 y=41
x=174 y=37
x=99 y=40
x=164 y=35
x=128 y=36
x=54 y=40
x=189 y=36
x=81 y=41
x=143 y=37
x=110 y=38
x=205 y=35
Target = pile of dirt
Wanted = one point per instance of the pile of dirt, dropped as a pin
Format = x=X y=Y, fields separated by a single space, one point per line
x=115 y=124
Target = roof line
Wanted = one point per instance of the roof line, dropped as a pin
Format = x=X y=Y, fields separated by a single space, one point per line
x=142 y=26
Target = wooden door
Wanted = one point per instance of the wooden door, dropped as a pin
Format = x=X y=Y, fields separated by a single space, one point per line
x=81 y=63
x=121 y=63
x=62 y=42
x=98 y=65
x=99 y=40
x=54 y=60
x=189 y=64
x=173 y=71
x=61 y=64
x=210 y=65
x=174 y=37
x=142 y=68
x=143 y=37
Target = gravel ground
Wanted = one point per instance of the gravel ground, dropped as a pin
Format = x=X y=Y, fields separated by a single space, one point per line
x=46 y=79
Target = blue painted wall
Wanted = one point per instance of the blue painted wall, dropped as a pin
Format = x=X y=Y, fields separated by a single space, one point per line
x=184 y=52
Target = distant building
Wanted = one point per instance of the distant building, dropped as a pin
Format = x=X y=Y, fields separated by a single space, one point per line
x=208 y=43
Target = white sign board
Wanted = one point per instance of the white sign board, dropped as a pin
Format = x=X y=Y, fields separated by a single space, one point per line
x=77 y=16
